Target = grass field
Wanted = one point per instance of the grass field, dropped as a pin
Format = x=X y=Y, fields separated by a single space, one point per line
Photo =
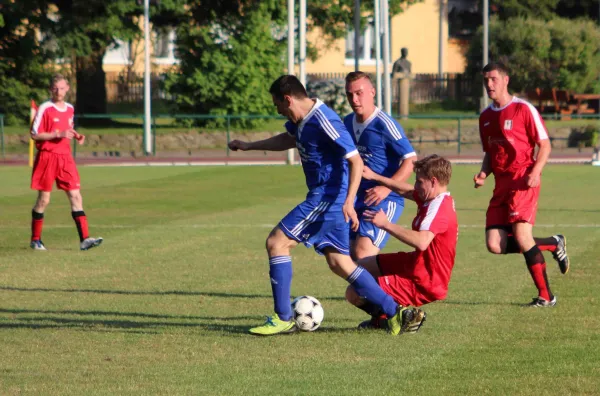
x=162 y=306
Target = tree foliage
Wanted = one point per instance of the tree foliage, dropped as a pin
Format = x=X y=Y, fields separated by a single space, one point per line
x=230 y=52
x=23 y=58
x=559 y=53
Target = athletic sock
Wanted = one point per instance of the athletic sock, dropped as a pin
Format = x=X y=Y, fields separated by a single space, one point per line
x=366 y=287
x=511 y=245
x=280 y=271
x=537 y=268
x=371 y=309
x=81 y=223
x=37 y=223
x=547 y=244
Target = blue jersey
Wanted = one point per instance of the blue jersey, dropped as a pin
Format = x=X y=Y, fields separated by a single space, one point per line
x=382 y=145
x=323 y=144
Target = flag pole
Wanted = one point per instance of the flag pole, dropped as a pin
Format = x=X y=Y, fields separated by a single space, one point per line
x=32 y=112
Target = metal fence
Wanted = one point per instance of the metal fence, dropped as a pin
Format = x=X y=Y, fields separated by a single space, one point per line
x=129 y=87
x=124 y=137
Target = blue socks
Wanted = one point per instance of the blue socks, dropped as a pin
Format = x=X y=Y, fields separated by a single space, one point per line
x=366 y=286
x=280 y=271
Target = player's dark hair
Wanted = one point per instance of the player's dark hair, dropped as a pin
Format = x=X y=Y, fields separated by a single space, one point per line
x=288 y=85
x=434 y=166
x=357 y=75
x=56 y=78
x=499 y=67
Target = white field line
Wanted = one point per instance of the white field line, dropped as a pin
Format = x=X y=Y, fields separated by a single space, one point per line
x=216 y=226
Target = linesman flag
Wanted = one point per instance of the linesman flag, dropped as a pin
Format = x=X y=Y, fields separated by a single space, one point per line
x=32 y=114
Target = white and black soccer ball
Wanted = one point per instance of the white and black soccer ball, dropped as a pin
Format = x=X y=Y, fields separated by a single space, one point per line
x=308 y=313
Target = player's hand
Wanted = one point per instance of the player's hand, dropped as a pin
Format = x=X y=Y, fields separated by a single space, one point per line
x=376 y=194
x=533 y=180
x=479 y=179
x=368 y=174
x=68 y=134
x=236 y=145
x=79 y=137
x=350 y=215
x=379 y=219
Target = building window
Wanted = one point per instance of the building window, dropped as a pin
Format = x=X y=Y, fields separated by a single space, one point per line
x=366 y=45
x=118 y=54
x=164 y=46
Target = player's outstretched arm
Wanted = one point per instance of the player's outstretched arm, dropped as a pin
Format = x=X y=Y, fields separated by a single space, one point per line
x=378 y=193
x=420 y=240
x=283 y=141
x=401 y=187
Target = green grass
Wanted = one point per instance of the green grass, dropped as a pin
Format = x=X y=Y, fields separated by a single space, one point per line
x=162 y=306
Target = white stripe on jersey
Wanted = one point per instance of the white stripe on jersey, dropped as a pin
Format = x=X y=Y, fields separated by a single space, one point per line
x=326 y=125
x=351 y=154
x=541 y=131
x=411 y=154
x=390 y=212
x=434 y=206
x=312 y=216
x=391 y=126
x=40 y=112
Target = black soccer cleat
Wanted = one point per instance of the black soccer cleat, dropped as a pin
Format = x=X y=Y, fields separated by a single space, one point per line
x=560 y=254
x=539 y=302
x=419 y=317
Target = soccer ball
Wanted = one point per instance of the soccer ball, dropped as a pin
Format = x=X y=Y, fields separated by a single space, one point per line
x=308 y=313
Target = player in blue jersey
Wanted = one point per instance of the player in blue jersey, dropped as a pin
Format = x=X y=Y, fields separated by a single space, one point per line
x=322 y=220
x=386 y=150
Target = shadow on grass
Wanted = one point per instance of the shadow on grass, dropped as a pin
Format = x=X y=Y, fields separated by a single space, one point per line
x=152 y=293
x=46 y=322
x=49 y=320
x=479 y=303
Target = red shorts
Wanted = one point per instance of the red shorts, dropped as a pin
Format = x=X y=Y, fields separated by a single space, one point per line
x=50 y=167
x=512 y=202
x=395 y=278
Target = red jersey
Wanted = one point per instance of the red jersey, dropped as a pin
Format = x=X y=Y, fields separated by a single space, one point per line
x=509 y=136
x=50 y=118
x=433 y=266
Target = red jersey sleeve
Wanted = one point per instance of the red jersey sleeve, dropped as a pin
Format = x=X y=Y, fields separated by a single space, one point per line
x=436 y=220
x=536 y=128
x=40 y=121
x=481 y=135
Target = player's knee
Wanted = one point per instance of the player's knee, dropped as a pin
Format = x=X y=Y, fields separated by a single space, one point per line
x=274 y=245
x=494 y=247
x=42 y=202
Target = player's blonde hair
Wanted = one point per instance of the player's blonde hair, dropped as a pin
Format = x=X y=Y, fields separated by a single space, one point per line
x=357 y=75
x=56 y=78
x=434 y=166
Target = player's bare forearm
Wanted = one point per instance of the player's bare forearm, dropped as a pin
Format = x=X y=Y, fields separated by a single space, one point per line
x=486 y=166
x=399 y=186
x=283 y=141
x=405 y=170
x=356 y=170
x=40 y=137
x=420 y=240
x=542 y=156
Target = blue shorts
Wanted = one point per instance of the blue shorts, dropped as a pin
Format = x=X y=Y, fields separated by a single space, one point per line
x=318 y=224
x=393 y=209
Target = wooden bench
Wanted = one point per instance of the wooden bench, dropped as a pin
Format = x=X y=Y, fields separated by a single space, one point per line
x=551 y=100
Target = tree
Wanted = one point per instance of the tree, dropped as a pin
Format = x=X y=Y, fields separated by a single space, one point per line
x=23 y=58
x=231 y=51
x=559 y=53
